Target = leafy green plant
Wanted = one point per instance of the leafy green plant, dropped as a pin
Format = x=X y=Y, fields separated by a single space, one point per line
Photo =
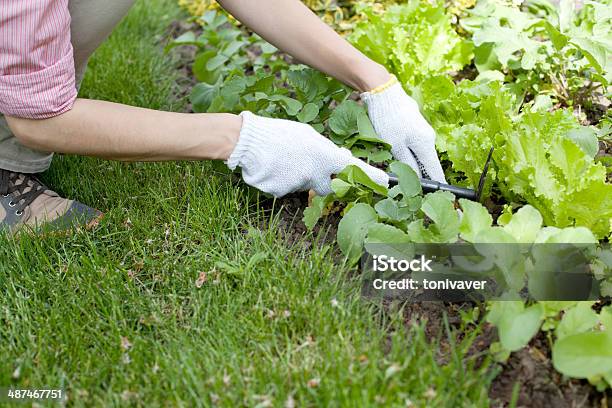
x=548 y=51
x=582 y=337
x=374 y=214
x=543 y=158
x=300 y=94
x=415 y=40
x=402 y=214
x=350 y=127
x=224 y=48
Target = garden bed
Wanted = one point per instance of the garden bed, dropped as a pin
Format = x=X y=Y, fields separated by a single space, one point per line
x=527 y=377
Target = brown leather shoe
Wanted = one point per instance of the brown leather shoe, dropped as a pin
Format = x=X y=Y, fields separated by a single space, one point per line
x=25 y=202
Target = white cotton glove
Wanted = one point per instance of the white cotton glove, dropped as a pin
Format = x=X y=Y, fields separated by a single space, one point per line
x=397 y=121
x=280 y=156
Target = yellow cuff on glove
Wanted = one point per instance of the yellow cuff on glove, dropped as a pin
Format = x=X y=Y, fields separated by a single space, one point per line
x=384 y=86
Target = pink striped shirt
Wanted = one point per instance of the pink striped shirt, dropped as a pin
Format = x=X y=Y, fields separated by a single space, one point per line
x=36 y=62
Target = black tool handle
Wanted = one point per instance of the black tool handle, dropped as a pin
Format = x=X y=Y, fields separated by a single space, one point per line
x=429 y=186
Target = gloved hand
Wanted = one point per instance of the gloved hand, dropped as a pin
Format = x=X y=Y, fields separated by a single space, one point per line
x=397 y=120
x=280 y=156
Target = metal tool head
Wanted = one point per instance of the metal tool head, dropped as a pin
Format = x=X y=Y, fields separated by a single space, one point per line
x=483 y=176
x=430 y=186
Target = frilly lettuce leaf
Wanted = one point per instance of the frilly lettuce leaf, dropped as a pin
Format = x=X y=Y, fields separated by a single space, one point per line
x=414 y=40
x=537 y=157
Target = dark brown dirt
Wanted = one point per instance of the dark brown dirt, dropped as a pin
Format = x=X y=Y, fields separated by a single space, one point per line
x=289 y=212
x=595 y=106
x=527 y=377
x=184 y=57
x=539 y=385
x=528 y=373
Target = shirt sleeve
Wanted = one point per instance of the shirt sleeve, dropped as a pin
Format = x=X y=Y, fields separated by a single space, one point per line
x=37 y=77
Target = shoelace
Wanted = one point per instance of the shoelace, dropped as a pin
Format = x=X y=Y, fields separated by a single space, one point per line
x=21 y=199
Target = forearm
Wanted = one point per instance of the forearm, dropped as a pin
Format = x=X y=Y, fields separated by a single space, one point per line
x=293 y=28
x=114 y=131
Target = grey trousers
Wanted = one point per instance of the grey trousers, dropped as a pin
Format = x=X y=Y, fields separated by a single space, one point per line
x=91 y=23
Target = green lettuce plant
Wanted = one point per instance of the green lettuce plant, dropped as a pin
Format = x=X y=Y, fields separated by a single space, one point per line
x=543 y=49
x=415 y=40
x=542 y=158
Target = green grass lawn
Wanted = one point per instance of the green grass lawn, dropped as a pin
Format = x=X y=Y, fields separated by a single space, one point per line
x=115 y=317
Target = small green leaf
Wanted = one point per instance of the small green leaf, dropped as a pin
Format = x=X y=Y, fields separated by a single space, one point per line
x=343 y=119
x=494 y=235
x=216 y=62
x=515 y=324
x=261 y=84
x=187 y=38
x=364 y=126
x=379 y=156
x=213 y=19
x=445 y=225
x=200 y=71
x=583 y=355
x=318 y=127
x=340 y=187
x=371 y=139
x=586 y=139
x=233 y=47
x=487 y=76
x=485 y=58
x=354 y=175
x=390 y=209
x=572 y=235
x=202 y=96
x=291 y=106
x=524 y=224
x=385 y=234
x=506 y=215
x=268 y=48
x=542 y=103
x=352 y=230
x=558 y=39
x=409 y=183
x=475 y=219
x=577 y=319
x=309 y=112
x=309 y=83
x=313 y=213
x=593 y=51
x=439 y=207
x=228 y=97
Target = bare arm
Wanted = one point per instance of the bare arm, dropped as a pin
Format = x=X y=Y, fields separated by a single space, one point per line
x=293 y=28
x=121 y=132
x=114 y=131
